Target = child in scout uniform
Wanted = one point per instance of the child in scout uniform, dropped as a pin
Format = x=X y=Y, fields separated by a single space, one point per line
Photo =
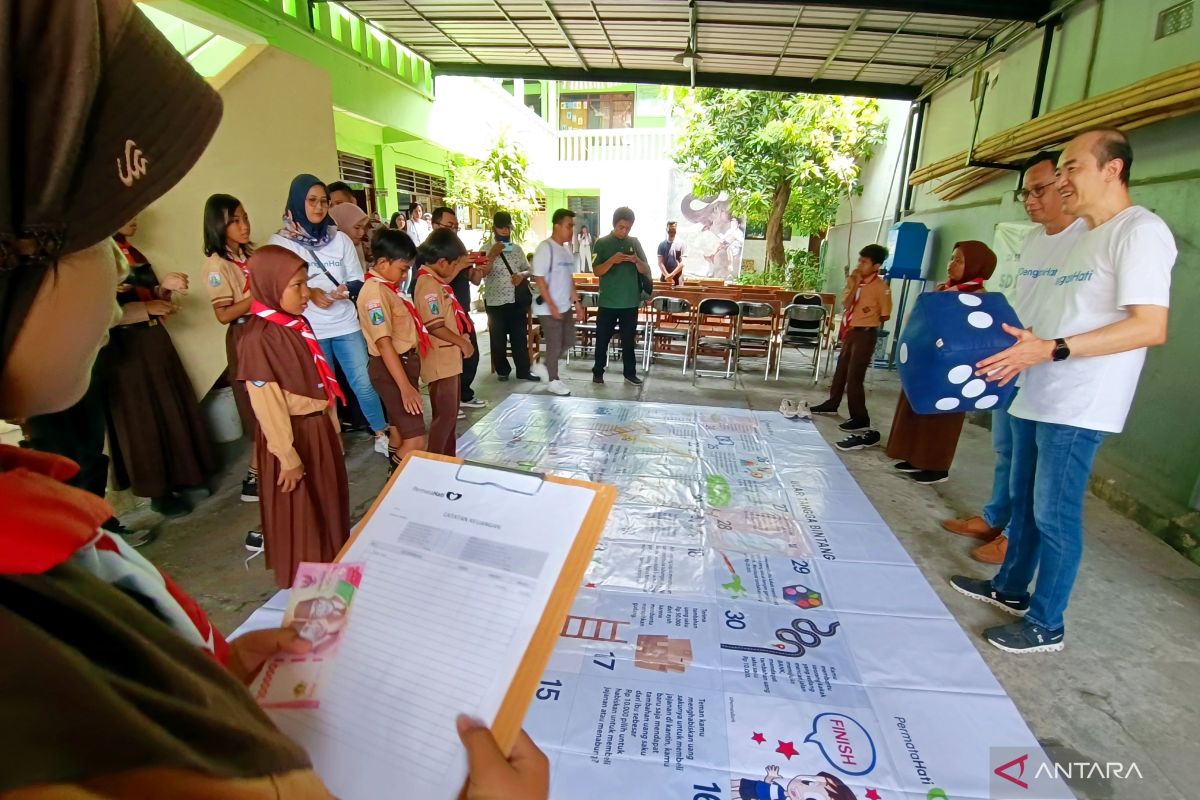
x=227 y=245
x=440 y=258
x=304 y=494
x=866 y=304
x=397 y=341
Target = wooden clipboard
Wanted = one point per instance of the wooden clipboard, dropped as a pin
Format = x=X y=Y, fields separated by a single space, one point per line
x=533 y=664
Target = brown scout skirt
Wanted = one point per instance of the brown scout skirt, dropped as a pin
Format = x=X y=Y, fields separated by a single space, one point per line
x=157 y=438
x=927 y=441
x=410 y=425
x=312 y=522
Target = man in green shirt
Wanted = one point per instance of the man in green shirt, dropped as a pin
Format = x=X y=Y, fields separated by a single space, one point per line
x=617 y=259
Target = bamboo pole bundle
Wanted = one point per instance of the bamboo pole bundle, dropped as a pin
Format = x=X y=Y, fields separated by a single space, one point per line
x=1166 y=93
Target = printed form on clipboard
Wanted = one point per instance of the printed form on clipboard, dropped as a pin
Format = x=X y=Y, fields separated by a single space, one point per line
x=468 y=574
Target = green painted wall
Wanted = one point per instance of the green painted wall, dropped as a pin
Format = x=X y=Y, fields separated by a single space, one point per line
x=1100 y=48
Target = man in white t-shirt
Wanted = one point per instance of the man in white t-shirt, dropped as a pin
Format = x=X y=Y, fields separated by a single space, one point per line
x=1042 y=257
x=554 y=272
x=1105 y=306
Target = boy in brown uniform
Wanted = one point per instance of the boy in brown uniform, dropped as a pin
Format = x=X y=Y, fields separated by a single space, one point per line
x=867 y=304
x=442 y=256
x=397 y=341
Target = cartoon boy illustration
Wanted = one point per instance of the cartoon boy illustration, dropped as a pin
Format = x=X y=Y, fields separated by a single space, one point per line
x=821 y=786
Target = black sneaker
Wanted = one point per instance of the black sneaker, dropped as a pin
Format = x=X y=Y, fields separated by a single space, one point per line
x=904 y=466
x=859 y=441
x=825 y=408
x=133 y=538
x=502 y=378
x=171 y=505
x=982 y=590
x=633 y=380
x=930 y=477
x=597 y=378
x=1025 y=637
x=855 y=425
x=530 y=377
x=254 y=542
x=250 y=488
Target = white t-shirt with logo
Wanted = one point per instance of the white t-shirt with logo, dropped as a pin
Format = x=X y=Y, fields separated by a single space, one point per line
x=556 y=264
x=341 y=260
x=1043 y=258
x=1125 y=262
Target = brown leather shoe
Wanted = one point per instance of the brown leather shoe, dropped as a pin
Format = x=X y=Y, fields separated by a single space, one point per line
x=973 y=527
x=993 y=552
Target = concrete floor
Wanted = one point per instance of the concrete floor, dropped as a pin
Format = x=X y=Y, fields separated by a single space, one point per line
x=1127 y=687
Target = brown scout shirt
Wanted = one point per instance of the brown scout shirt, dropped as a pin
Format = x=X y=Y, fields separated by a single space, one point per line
x=433 y=304
x=873 y=305
x=225 y=281
x=274 y=409
x=381 y=313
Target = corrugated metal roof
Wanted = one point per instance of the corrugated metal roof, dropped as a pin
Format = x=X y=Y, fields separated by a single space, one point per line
x=888 y=48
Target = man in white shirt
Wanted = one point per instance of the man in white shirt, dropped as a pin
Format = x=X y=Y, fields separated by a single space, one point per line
x=1105 y=306
x=554 y=273
x=1042 y=257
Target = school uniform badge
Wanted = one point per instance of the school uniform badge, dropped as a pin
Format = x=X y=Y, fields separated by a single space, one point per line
x=214 y=279
x=375 y=312
x=431 y=300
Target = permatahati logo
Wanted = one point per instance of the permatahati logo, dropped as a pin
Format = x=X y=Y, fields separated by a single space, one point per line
x=1024 y=774
x=434 y=493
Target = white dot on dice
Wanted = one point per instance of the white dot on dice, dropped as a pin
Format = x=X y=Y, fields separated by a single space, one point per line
x=904 y=352
x=974 y=388
x=960 y=374
x=986 y=402
x=979 y=319
x=969 y=300
x=946 y=404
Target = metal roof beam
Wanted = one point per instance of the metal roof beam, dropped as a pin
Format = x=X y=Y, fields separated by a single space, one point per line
x=437 y=28
x=604 y=30
x=875 y=55
x=518 y=29
x=723 y=80
x=566 y=37
x=837 y=48
x=1023 y=10
x=788 y=43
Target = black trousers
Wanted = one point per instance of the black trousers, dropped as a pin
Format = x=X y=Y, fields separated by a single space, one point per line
x=608 y=320
x=470 y=367
x=507 y=323
x=858 y=348
x=77 y=433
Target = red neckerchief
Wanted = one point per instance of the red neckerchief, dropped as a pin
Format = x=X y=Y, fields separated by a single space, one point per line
x=460 y=315
x=848 y=317
x=245 y=273
x=971 y=286
x=424 y=343
x=300 y=325
x=132 y=257
x=44 y=523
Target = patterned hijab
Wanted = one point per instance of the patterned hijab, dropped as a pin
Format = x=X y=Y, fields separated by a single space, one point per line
x=296 y=226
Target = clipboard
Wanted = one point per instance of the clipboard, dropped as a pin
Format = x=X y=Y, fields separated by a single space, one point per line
x=520 y=695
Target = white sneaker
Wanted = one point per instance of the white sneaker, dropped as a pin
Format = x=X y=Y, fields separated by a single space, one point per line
x=381 y=445
x=540 y=370
x=474 y=402
x=803 y=410
x=462 y=414
x=559 y=388
x=788 y=408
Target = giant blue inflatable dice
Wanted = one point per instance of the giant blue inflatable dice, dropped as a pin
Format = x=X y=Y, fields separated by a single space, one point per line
x=946 y=335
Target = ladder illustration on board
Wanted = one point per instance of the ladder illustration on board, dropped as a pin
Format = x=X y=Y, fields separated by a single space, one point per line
x=592 y=628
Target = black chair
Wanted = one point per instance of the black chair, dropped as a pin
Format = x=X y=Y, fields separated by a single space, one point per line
x=586 y=331
x=757 y=337
x=723 y=312
x=804 y=327
x=661 y=307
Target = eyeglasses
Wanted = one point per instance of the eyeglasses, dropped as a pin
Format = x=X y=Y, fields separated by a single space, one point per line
x=451 y=226
x=1036 y=192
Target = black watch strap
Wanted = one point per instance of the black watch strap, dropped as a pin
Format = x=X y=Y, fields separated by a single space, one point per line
x=1061 y=351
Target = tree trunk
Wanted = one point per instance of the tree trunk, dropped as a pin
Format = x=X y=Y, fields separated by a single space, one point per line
x=774 y=234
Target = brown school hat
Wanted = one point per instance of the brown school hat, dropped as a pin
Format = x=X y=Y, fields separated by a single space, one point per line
x=99 y=117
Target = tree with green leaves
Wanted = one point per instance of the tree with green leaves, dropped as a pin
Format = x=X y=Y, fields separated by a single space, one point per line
x=788 y=158
x=498 y=182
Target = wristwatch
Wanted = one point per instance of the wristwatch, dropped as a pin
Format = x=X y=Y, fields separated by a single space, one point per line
x=1061 y=351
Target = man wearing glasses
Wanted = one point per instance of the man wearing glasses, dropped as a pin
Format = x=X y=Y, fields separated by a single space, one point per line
x=1042 y=256
x=445 y=217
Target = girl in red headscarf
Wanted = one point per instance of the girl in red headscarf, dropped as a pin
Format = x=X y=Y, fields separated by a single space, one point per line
x=303 y=490
x=924 y=445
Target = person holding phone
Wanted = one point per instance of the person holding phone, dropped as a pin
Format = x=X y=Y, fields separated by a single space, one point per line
x=507 y=295
x=617 y=260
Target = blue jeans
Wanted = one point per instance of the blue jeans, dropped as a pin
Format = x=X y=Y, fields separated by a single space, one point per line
x=999 y=509
x=1050 y=468
x=350 y=352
